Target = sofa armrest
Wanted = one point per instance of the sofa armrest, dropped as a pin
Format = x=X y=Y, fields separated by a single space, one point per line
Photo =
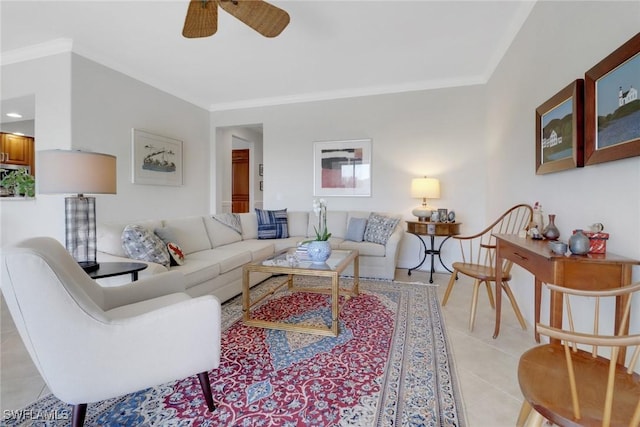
x=393 y=244
x=151 y=287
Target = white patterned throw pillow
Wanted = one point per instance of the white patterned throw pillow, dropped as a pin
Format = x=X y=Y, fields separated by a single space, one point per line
x=141 y=244
x=379 y=228
x=231 y=220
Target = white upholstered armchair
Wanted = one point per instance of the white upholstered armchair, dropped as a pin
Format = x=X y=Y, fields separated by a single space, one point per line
x=92 y=343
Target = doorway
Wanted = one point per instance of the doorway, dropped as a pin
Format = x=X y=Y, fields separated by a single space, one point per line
x=240 y=189
x=228 y=139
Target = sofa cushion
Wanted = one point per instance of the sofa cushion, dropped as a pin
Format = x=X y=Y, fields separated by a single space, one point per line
x=165 y=234
x=258 y=248
x=298 y=222
x=227 y=257
x=197 y=271
x=336 y=223
x=140 y=243
x=355 y=229
x=364 y=248
x=109 y=235
x=249 y=223
x=290 y=242
x=379 y=228
x=190 y=233
x=220 y=234
x=272 y=224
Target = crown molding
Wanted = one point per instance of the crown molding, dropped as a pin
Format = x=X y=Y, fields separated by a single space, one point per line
x=36 y=51
x=349 y=93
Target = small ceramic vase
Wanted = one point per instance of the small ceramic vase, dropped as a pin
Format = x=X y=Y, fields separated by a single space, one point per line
x=551 y=232
x=579 y=243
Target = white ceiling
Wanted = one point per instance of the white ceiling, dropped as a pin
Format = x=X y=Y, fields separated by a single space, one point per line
x=331 y=49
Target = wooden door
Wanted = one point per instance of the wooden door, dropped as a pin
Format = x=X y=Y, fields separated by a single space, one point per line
x=240 y=181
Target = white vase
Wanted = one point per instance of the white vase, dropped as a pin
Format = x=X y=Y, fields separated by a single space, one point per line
x=319 y=251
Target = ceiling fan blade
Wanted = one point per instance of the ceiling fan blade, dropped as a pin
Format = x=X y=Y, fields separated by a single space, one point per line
x=263 y=17
x=202 y=19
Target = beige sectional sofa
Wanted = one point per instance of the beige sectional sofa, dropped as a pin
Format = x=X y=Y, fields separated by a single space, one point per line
x=215 y=253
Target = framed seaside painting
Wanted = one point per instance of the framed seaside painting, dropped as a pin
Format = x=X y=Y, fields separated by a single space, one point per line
x=559 y=131
x=612 y=106
x=342 y=168
x=155 y=159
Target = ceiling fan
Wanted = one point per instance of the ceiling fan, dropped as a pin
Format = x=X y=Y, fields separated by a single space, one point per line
x=265 y=18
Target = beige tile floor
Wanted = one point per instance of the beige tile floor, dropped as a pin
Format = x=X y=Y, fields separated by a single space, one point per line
x=486 y=367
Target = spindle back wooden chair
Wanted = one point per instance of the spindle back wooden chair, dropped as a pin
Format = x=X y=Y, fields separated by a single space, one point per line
x=581 y=380
x=478 y=259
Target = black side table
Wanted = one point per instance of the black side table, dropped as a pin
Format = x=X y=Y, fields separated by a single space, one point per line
x=110 y=269
x=432 y=229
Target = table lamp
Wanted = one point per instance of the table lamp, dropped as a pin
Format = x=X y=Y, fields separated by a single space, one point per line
x=424 y=188
x=80 y=172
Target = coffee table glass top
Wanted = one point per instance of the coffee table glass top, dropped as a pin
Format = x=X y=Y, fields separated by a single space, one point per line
x=289 y=258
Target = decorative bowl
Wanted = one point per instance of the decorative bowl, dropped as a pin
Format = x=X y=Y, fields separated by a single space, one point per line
x=558 y=247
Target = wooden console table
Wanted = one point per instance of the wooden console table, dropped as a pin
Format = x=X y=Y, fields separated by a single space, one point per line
x=590 y=272
x=432 y=229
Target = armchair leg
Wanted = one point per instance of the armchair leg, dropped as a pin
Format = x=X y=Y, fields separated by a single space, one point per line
x=474 y=304
x=206 y=390
x=490 y=294
x=78 y=414
x=525 y=410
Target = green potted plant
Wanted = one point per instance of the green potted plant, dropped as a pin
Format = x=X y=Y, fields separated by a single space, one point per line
x=20 y=182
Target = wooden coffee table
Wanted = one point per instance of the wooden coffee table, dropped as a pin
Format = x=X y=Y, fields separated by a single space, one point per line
x=279 y=264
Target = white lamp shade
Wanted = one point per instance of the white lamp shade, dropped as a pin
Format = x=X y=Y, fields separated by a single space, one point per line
x=77 y=172
x=425 y=188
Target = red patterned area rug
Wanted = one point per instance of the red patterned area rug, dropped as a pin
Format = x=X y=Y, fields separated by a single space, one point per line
x=390 y=366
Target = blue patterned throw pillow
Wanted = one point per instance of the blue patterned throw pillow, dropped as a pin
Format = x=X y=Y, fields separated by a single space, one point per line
x=379 y=228
x=272 y=224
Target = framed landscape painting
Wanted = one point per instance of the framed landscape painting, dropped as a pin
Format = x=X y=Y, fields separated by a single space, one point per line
x=612 y=106
x=155 y=159
x=342 y=168
x=559 y=131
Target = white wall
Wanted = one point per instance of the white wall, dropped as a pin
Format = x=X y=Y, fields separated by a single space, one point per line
x=437 y=133
x=106 y=106
x=49 y=80
x=83 y=105
x=25 y=127
x=557 y=44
